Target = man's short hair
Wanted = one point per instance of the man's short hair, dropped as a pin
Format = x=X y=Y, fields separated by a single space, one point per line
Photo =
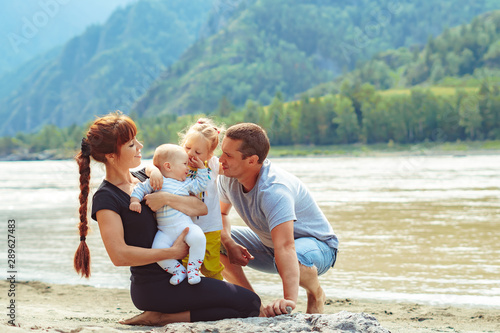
x=254 y=140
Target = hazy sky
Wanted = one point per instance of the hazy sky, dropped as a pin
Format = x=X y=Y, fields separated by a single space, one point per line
x=73 y=12
x=29 y=27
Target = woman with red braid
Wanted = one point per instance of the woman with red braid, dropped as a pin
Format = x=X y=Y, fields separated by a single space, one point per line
x=128 y=236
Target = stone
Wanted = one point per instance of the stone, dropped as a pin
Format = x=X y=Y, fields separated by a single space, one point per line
x=343 y=321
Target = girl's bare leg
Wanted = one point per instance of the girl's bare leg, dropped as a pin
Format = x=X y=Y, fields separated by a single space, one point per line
x=152 y=318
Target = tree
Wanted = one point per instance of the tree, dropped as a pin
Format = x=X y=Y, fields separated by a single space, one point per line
x=326 y=127
x=467 y=62
x=308 y=126
x=470 y=118
x=348 y=129
x=487 y=100
x=276 y=112
x=492 y=57
x=350 y=90
x=377 y=122
x=437 y=71
x=225 y=107
x=251 y=112
x=447 y=121
x=7 y=146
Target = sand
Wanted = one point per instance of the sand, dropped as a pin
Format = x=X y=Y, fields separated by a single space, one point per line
x=42 y=307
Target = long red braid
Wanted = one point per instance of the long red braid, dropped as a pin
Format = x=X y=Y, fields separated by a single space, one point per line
x=105 y=136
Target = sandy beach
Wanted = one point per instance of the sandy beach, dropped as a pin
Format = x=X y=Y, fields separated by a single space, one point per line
x=42 y=307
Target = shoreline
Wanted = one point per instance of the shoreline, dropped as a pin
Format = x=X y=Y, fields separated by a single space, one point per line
x=344 y=150
x=64 y=308
x=299 y=154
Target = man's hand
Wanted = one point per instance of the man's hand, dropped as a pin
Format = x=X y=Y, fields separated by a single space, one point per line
x=278 y=307
x=239 y=255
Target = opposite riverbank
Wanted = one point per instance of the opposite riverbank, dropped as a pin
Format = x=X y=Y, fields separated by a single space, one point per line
x=42 y=307
x=379 y=149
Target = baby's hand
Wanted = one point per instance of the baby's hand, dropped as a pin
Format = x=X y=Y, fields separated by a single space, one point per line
x=197 y=162
x=135 y=206
x=156 y=179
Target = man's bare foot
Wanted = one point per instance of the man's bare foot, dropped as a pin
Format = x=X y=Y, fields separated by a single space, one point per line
x=152 y=318
x=316 y=301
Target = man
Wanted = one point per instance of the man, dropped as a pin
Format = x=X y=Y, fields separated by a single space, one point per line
x=287 y=233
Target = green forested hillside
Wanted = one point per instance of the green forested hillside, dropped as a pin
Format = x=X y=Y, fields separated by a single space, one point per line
x=460 y=56
x=453 y=94
x=251 y=49
x=270 y=57
x=356 y=115
x=106 y=68
x=290 y=45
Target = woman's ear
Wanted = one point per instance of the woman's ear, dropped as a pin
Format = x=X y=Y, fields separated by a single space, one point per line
x=110 y=158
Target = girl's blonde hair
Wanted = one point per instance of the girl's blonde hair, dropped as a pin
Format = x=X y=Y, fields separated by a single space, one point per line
x=208 y=129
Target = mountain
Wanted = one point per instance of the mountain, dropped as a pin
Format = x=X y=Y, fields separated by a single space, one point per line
x=105 y=68
x=447 y=90
x=460 y=56
x=147 y=58
x=290 y=45
x=31 y=28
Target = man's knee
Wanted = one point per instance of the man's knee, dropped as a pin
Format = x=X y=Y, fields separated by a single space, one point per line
x=308 y=278
x=312 y=252
x=308 y=270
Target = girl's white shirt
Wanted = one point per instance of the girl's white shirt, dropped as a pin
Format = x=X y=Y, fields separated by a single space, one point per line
x=213 y=220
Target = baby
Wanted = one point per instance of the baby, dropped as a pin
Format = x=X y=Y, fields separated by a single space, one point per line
x=172 y=161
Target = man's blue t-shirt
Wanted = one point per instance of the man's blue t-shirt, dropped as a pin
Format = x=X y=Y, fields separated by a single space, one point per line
x=277 y=197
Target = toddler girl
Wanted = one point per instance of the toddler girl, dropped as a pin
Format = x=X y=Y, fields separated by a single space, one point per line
x=200 y=140
x=172 y=161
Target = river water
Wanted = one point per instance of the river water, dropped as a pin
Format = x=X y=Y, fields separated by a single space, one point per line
x=411 y=228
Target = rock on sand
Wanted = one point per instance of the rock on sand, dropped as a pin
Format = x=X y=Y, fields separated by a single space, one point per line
x=299 y=322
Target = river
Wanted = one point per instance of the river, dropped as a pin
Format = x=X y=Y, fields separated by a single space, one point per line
x=412 y=228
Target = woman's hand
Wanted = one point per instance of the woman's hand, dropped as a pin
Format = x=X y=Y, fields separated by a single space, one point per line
x=156 y=200
x=189 y=205
x=180 y=248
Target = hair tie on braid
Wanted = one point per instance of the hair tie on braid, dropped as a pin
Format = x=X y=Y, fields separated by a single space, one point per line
x=82 y=238
x=85 y=147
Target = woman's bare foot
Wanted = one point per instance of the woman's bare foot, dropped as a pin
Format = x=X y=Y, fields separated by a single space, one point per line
x=147 y=318
x=316 y=302
x=152 y=318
